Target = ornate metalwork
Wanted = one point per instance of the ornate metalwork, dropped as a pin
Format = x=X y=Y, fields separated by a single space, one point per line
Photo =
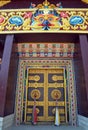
x=45 y=95
x=35 y=94
x=35 y=85
x=56 y=85
x=56 y=94
x=35 y=78
x=55 y=77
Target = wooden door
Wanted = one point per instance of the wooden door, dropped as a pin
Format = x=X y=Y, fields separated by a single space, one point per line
x=48 y=85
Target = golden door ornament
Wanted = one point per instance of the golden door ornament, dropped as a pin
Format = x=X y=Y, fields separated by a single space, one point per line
x=35 y=94
x=56 y=94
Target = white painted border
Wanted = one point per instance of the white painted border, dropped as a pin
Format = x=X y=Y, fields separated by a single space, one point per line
x=83 y=122
x=6 y=121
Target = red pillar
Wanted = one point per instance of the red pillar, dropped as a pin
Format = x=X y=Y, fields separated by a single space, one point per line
x=4 y=71
x=84 y=52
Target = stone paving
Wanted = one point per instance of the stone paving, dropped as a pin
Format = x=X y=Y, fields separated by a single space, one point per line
x=44 y=127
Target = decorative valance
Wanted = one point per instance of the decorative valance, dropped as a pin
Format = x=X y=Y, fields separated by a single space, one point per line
x=46 y=18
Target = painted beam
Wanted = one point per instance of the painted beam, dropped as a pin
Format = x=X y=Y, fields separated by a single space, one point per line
x=45 y=20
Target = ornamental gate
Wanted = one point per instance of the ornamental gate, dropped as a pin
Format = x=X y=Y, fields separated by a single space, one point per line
x=48 y=85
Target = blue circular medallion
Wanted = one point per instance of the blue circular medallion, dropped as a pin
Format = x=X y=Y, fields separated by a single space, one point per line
x=74 y=20
x=17 y=20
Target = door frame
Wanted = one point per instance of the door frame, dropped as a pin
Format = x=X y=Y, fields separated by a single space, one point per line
x=21 y=84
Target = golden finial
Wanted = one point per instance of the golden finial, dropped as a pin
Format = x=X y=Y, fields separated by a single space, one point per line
x=46 y=3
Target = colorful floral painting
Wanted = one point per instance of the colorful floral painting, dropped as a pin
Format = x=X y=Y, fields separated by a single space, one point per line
x=44 y=17
x=45 y=50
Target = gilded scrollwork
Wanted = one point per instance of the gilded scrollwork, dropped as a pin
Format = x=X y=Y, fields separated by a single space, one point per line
x=56 y=77
x=35 y=78
x=50 y=18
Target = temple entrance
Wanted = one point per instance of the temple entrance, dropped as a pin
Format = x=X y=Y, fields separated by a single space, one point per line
x=49 y=80
x=48 y=86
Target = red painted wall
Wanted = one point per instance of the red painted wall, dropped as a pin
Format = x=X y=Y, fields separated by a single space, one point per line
x=25 y=4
